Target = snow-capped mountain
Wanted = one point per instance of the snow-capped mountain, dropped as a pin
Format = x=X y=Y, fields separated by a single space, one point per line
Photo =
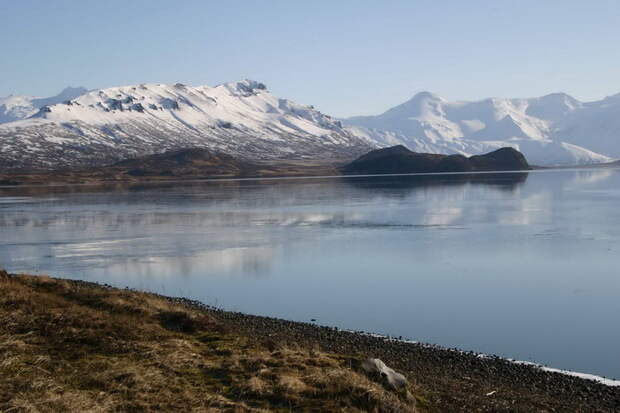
x=239 y=118
x=17 y=107
x=551 y=130
x=88 y=128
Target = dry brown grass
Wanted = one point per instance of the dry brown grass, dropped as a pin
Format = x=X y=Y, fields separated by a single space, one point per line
x=300 y=377
x=74 y=347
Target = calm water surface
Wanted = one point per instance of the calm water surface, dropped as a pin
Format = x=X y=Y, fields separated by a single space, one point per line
x=520 y=265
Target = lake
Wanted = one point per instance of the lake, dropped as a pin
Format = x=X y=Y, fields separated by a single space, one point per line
x=522 y=265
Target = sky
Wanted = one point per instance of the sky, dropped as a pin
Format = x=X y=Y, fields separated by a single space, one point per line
x=346 y=57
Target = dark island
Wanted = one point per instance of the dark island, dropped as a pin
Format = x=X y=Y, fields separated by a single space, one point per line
x=400 y=160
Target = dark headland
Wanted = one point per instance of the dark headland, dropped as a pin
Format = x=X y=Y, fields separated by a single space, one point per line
x=77 y=346
x=400 y=160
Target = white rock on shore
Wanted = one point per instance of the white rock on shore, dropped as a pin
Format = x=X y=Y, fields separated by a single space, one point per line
x=378 y=367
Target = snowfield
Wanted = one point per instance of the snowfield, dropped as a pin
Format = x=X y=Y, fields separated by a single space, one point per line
x=239 y=118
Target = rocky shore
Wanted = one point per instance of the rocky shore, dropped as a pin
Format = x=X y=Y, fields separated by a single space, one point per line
x=456 y=381
x=442 y=380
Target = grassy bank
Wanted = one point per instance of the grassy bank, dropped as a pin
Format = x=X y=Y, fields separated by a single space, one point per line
x=75 y=346
x=128 y=175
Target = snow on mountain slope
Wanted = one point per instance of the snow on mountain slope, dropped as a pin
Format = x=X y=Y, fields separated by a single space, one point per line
x=79 y=128
x=551 y=130
x=14 y=108
x=239 y=118
x=596 y=126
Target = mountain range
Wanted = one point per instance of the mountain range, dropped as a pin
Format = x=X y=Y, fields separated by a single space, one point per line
x=555 y=129
x=81 y=128
x=107 y=125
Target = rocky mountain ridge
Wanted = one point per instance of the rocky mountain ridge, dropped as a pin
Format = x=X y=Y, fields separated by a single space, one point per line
x=79 y=128
x=108 y=125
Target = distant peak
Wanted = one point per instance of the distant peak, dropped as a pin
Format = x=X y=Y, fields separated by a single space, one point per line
x=426 y=95
x=71 y=92
x=558 y=97
x=423 y=99
x=70 y=89
x=253 y=83
x=244 y=87
x=612 y=98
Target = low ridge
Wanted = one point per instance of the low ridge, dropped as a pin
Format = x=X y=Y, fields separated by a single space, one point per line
x=187 y=162
x=399 y=160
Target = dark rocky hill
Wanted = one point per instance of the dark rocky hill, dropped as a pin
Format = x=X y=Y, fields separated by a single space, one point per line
x=400 y=160
x=189 y=161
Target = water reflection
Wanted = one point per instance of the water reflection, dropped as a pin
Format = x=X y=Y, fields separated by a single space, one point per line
x=592 y=176
x=226 y=221
x=513 y=263
x=390 y=185
x=253 y=262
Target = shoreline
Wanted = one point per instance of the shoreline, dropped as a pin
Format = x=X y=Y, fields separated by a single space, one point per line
x=562 y=383
x=209 y=179
x=448 y=380
x=585 y=376
x=611 y=382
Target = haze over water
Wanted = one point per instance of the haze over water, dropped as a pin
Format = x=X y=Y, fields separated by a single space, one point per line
x=520 y=265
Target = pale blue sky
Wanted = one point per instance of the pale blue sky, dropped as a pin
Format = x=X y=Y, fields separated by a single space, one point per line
x=346 y=57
